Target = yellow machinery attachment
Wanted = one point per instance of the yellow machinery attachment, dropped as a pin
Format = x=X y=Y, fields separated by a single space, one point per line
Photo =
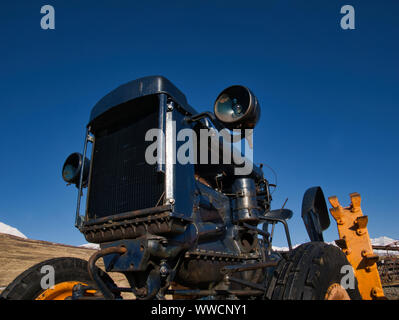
x=355 y=242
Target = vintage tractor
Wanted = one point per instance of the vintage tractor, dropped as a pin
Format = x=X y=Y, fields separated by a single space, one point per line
x=195 y=229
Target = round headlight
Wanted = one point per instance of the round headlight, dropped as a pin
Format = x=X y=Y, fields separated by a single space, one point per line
x=72 y=168
x=237 y=108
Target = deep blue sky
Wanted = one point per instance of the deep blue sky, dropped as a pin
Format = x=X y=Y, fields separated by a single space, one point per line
x=329 y=96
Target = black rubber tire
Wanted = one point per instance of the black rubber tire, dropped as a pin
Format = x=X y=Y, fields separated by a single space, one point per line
x=307 y=272
x=27 y=285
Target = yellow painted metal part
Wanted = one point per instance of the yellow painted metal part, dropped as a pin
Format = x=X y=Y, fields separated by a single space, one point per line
x=355 y=242
x=61 y=291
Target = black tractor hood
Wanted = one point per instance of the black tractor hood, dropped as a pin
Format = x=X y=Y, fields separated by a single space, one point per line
x=151 y=85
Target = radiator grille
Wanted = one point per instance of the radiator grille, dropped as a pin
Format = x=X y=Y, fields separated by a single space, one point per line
x=121 y=180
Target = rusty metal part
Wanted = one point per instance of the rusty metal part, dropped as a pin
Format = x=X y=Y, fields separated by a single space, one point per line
x=201 y=254
x=355 y=242
x=388 y=267
x=336 y=292
x=95 y=276
x=128 y=215
x=134 y=227
x=191 y=271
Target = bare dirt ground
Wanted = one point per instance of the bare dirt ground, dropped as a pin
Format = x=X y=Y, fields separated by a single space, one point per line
x=18 y=254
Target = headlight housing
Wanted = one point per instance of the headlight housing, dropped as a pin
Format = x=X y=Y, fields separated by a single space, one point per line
x=72 y=169
x=237 y=108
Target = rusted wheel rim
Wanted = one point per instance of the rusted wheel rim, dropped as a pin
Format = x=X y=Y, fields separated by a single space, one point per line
x=336 y=292
x=61 y=291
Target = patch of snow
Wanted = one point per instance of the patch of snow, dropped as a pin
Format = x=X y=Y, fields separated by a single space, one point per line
x=279 y=248
x=284 y=248
x=90 y=246
x=382 y=241
x=4 y=228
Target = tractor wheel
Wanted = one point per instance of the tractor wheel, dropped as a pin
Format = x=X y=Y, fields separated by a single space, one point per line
x=312 y=271
x=68 y=272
